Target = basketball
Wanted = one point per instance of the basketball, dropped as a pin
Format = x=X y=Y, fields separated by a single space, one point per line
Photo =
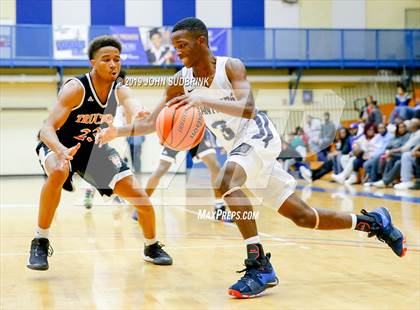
x=180 y=129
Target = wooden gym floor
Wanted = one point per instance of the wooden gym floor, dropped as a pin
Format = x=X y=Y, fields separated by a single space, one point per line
x=97 y=261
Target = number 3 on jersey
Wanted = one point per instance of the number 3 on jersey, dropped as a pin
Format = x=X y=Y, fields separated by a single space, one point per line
x=227 y=132
x=85 y=132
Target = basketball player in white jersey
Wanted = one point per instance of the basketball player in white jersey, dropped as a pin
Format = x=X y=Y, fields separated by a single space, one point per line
x=252 y=144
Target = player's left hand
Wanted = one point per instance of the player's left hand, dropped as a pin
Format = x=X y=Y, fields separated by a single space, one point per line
x=187 y=101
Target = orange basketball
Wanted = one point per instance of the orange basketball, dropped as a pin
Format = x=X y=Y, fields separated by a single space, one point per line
x=180 y=129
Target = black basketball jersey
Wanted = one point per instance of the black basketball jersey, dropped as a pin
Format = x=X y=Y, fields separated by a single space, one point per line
x=91 y=114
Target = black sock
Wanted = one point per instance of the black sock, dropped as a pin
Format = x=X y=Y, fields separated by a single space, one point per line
x=364 y=223
x=255 y=251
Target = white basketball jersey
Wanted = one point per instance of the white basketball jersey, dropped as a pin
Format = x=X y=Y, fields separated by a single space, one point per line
x=230 y=131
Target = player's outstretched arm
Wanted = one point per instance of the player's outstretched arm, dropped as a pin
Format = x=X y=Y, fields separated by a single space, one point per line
x=143 y=125
x=243 y=105
x=148 y=124
x=69 y=97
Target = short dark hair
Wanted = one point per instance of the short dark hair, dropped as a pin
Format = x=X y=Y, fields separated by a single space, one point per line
x=370 y=126
x=153 y=32
x=100 y=42
x=192 y=24
x=402 y=86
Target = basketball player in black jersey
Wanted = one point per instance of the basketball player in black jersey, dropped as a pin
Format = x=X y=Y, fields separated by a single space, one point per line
x=85 y=106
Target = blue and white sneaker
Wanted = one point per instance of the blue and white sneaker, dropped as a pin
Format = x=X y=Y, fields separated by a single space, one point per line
x=383 y=229
x=259 y=275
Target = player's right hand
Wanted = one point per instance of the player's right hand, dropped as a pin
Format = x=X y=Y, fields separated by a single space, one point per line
x=142 y=114
x=67 y=154
x=105 y=135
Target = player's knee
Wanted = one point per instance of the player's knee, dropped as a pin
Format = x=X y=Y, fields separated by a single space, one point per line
x=58 y=174
x=145 y=210
x=303 y=217
x=222 y=183
x=224 y=188
x=231 y=177
x=227 y=187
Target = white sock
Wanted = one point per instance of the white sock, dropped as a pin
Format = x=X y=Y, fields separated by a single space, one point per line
x=150 y=241
x=41 y=233
x=353 y=221
x=252 y=240
x=219 y=203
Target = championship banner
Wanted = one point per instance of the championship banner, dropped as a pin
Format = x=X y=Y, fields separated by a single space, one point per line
x=133 y=51
x=70 y=42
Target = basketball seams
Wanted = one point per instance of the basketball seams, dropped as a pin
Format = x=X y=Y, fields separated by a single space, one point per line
x=180 y=129
x=161 y=126
x=186 y=135
x=197 y=142
x=172 y=125
x=201 y=134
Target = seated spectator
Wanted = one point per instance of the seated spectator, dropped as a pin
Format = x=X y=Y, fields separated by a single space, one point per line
x=374 y=114
x=371 y=166
x=288 y=155
x=304 y=137
x=408 y=166
x=402 y=101
x=363 y=149
x=296 y=139
x=346 y=161
x=333 y=163
x=391 y=159
x=417 y=170
x=409 y=152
